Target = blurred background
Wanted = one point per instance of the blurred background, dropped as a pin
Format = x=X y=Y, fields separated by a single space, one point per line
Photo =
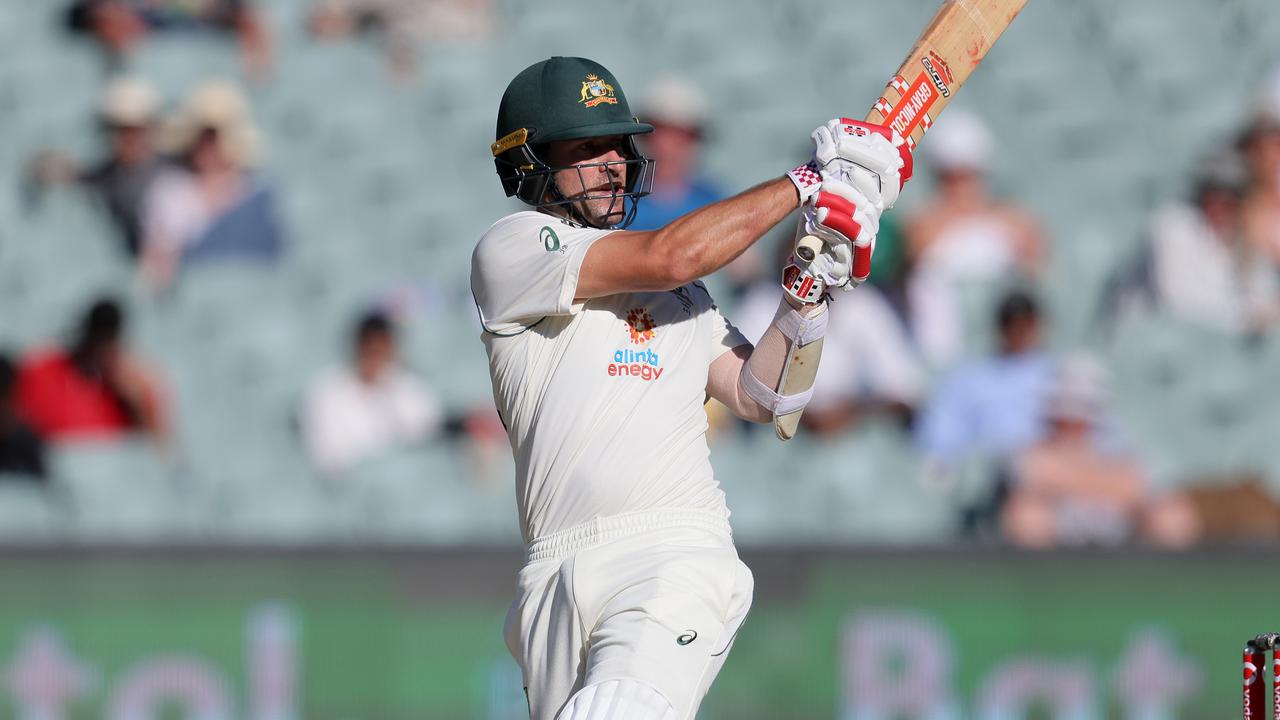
x=249 y=462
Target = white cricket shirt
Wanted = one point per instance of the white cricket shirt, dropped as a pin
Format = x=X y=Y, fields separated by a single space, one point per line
x=603 y=400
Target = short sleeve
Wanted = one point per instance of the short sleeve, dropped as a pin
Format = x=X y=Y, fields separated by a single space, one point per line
x=526 y=268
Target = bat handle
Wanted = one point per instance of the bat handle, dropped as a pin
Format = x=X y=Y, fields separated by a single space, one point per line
x=808 y=247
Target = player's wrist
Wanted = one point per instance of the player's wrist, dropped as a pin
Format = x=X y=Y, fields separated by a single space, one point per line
x=805 y=309
x=807 y=179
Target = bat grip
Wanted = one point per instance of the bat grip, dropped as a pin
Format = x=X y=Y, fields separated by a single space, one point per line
x=808 y=247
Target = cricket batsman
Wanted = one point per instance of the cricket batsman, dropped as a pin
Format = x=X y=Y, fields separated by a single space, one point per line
x=603 y=346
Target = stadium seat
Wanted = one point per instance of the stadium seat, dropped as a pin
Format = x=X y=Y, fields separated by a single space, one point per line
x=30 y=512
x=118 y=491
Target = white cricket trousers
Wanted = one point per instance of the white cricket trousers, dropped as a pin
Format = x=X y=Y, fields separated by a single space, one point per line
x=653 y=597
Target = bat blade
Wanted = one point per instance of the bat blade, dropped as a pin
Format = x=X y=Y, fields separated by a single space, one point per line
x=953 y=43
x=951 y=46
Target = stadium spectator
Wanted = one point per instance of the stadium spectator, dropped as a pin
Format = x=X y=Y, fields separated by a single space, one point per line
x=678 y=111
x=119 y=26
x=962 y=239
x=211 y=205
x=95 y=388
x=21 y=450
x=991 y=407
x=1202 y=270
x=1066 y=490
x=1260 y=143
x=368 y=407
x=127 y=114
x=402 y=26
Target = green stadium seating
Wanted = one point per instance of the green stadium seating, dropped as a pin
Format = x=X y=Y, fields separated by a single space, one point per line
x=383 y=188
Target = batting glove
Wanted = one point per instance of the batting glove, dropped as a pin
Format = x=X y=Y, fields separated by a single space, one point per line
x=873 y=158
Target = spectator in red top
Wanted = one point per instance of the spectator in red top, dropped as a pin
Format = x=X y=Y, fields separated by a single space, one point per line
x=95 y=389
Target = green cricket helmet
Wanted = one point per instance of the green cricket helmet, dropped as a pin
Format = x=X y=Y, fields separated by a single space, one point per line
x=566 y=98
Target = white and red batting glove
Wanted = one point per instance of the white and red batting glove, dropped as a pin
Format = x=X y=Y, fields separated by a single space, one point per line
x=856 y=173
x=872 y=157
x=846 y=223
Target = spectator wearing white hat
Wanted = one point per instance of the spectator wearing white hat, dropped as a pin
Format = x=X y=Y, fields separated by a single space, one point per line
x=962 y=239
x=1067 y=490
x=677 y=109
x=211 y=205
x=127 y=114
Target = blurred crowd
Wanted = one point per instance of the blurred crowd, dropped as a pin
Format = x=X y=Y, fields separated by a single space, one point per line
x=948 y=344
x=905 y=349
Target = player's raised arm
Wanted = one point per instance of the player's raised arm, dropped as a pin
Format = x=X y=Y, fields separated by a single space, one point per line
x=688 y=248
x=709 y=238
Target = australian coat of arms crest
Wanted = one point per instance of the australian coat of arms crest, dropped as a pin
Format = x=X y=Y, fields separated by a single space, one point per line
x=596 y=91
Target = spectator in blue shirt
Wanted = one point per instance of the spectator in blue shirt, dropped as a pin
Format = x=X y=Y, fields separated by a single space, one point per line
x=678 y=112
x=677 y=109
x=992 y=407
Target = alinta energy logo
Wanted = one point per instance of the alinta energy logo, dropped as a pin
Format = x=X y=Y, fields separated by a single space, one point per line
x=641 y=363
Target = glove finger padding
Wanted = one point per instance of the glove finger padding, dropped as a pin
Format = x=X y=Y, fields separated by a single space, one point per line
x=862 y=263
x=835 y=213
x=846 y=222
x=849 y=212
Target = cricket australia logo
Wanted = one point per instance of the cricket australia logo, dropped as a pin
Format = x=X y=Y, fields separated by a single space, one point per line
x=596 y=91
x=644 y=362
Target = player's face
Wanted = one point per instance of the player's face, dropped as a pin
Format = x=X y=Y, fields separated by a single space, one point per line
x=594 y=187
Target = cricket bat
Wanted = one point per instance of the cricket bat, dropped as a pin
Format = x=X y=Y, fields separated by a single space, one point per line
x=951 y=46
x=953 y=43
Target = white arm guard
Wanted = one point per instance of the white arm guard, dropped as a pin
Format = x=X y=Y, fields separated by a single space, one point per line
x=787 y=359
